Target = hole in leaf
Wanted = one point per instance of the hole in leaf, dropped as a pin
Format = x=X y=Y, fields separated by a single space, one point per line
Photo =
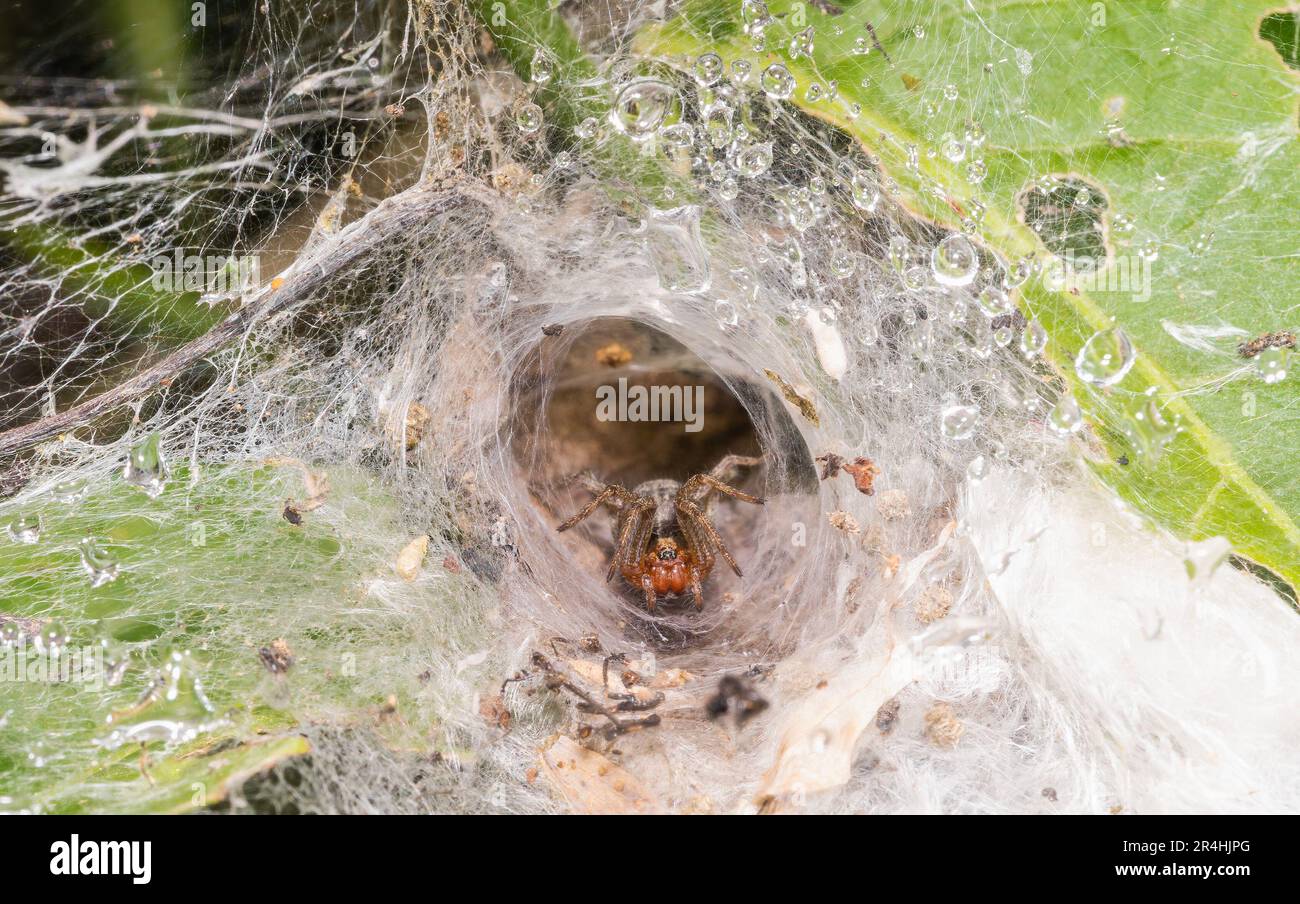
x=1067 y=216
x=1282 y=30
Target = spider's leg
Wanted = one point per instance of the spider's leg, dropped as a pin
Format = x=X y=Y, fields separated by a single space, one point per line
x=644 y=531
x=698 y=543
x=648 y=586
x=731 y=464
x=625 y=552
x=695 y=588
x=613 y=491
x=588 y=481
x=691 y=509
x=698 y=487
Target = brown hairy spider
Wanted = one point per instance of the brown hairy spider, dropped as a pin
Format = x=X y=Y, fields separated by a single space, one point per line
x=664 y=540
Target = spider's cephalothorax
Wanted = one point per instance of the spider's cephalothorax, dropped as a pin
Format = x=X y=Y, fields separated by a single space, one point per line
x=664 y=540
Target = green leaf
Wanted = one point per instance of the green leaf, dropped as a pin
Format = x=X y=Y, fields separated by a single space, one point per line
x=210 y=569
x=1184 y=120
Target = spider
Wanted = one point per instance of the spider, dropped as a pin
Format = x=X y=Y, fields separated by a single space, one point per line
x=664 y=540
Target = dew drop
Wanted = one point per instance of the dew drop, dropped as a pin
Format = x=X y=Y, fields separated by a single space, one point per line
x=542 y=68
x=678 y=135
x=954 y=261
x=726 y=313
x=174 y=708
x=801 y=44
x=1065 y=417
x=1024 y=61
x=1271 y=364
x=529 y=118
x=642 y=107
x=952 y=148
x=842 y=263
x=994 y=302
x=677 y=249
x=958 y=421
x=98 y=562
x=1033 y=340
x=708 y=69
x=978 y=469
x=865 y=190
x=777 y=82
x=976 y=172
x=754 y=160
x=729 y=189
x=145 y=467
x=900 y=249
x=588 y=128
x=25 y=529
x=1105 y=358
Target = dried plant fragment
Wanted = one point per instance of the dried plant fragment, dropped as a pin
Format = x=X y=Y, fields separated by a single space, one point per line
x=411 y=558
x=943 y=726
x=590 y=783
x=893 y=505
x=417 y=420
x=863 y=471
x=843 y=521
x=277 y=657
x=1279 y=339
x=933 y=604
x=806 y=408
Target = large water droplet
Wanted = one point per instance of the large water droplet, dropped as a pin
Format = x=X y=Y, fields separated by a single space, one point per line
x=677 y=248
x=754 y=160
x=543 y=67
x=98 y=562
x=726 y=313
x=1065 y=417
x=1147 y=428
x=642 y=107
x=958 y=421
x=25 y=529
x=777 y=82
x=529 y=118
x=900 y=251
x=865 y=189
x=1105 y=358
x=1033 y=340
x=954 y=261
x=994 y=302
x=708 y=69
x=801 y=44
x=173 y=709
x=145 y=467
x=1271 y=364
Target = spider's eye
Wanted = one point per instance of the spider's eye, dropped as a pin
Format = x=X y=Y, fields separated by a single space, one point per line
x=667 y=554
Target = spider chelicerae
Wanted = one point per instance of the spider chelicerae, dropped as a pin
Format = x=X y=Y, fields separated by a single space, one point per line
x=664 y=539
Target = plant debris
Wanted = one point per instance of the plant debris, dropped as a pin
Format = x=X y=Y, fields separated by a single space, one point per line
x=735 y=695
x=277 y=657
x=806 y=408
x=1279 y=339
